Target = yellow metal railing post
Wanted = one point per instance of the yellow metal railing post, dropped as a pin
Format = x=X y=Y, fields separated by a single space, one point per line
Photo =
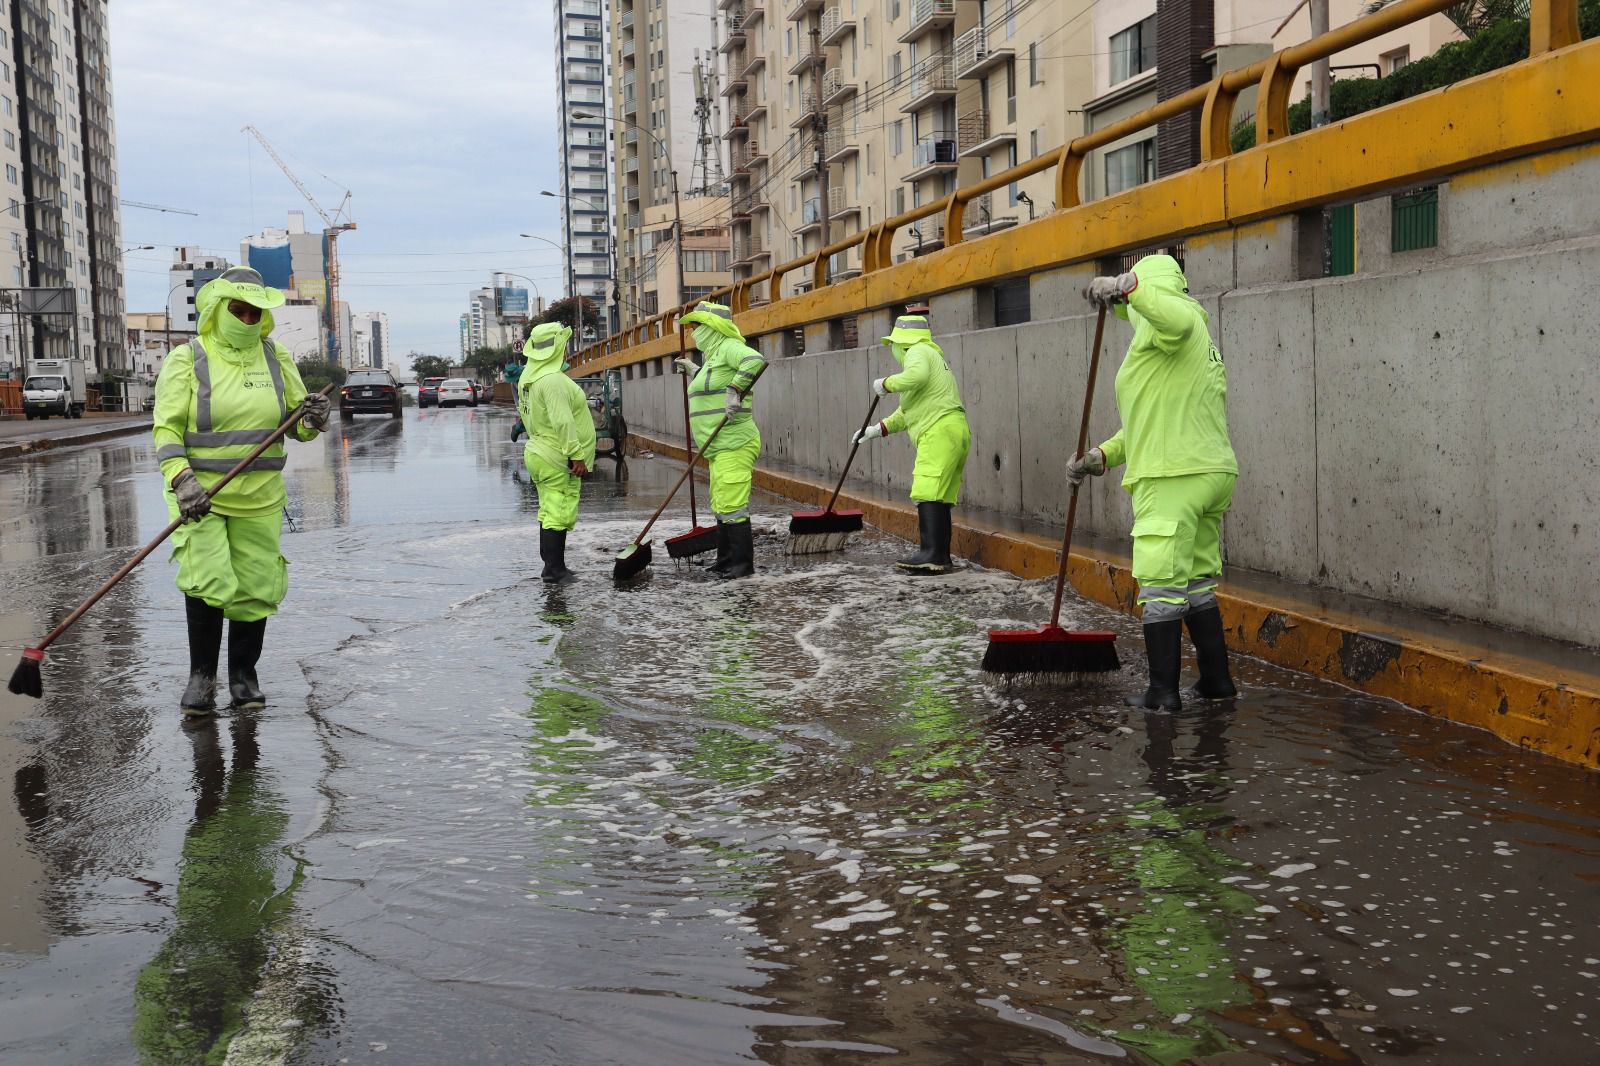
x=1216 y=122
x=1272 y=100
x=1069 y=172
x=955 y=211
x=1552 y=24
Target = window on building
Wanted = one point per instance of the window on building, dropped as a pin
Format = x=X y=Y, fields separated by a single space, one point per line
x=788 y=43
x=894 y=10
x=1011 y=161
x=1035 y=75
x=1130 y=166
x=1393 y=61
x=1133 y=51
x=866 y=31
x=11 y=174
x=894 y=69
x=1033 y=143
x=11 y=139
x=897 y=137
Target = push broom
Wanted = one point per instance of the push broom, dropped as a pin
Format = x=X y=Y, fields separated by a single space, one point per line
x=700 y=538
x=27 y=679
x=827 y=530
x=632 y=560
x=1052 y=651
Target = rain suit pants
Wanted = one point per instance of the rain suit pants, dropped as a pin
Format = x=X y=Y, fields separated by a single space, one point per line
x=1177 y=541
x=558 y=489
x=731 y=474
x=231 y=562
x=941 y=460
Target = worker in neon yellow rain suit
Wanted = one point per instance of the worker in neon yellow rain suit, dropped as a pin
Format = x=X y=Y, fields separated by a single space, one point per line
x=722 y=386
x=216 y=399
x=930 y=410
x=1172 y=392
x=560 y=450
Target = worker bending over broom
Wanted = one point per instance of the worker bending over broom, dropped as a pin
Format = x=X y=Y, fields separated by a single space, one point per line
x=1172 y=396
x=721 y=387
x=554 y=411
x=930 y=410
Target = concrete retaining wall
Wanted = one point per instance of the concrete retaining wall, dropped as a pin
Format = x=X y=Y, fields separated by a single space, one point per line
x=1426 y=431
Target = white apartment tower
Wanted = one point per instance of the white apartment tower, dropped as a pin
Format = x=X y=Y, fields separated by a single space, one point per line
x=583 y=110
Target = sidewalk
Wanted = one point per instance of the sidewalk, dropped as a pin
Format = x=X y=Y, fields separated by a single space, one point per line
x=1531 y=692
x=18 y=436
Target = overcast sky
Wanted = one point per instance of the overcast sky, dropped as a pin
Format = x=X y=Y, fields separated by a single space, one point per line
x=439 y=117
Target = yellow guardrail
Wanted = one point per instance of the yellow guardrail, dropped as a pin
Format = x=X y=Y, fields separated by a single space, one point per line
x=1542 y=102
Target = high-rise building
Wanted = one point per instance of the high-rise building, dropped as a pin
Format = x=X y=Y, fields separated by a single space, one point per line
x=191 y=269
x=657 y=48
x=582 y=111
x=375 y=351
x=63 y=216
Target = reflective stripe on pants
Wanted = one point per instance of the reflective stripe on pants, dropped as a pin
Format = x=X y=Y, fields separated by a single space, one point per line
x=941 y=460
x=732 y=472
x=558 y=491
x=1177 y=541
x=233 y=563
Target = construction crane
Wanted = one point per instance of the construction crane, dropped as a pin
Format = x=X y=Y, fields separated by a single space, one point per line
x=158 y=207
x=334 y=225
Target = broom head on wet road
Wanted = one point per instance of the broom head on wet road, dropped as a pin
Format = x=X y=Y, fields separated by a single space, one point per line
x=700 y=539
x=28 y=678
x=1052 y=652
x=827 y=530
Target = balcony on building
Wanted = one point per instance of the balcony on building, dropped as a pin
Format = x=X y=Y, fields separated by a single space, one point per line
x=584 y=9
x=977 y=138
x=799 y=9
x=630 y=193
x=738 y=122
x=810 y=215
x=842 y=265
x=977 y=53
x=734 y=22
x=755 y=62
x=837 y=145
x=630 y=165
x=758 y=111
x=755 y=153
x=980 y=220
x=737 y=84
x=933 y=154
x=932 y=81
x=836 y=87
x=628 y=48
x=754 y=10
x=836 y=25
x=805 y=60
x=583 y=31
x=626 y=22
x=842 y=205
x=928 y=16
x=747 y=250
x=927 y=236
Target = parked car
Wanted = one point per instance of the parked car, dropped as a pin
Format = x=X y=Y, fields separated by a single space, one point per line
x=428 y=392
x=372 y=392
x=453 y=391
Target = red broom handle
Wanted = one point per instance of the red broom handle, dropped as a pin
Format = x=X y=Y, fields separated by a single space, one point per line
x=172 y=526
x=1083 y=441
x=688 y=434
x=865 y=422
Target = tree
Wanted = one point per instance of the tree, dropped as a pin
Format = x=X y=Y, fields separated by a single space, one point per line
x=488 y=362
x=566 y=310
x=317 y=373
x=430 y=366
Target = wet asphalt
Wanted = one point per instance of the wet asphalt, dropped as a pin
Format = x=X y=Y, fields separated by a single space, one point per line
x=785 y=820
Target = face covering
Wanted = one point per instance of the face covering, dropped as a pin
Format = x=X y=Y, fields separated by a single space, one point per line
x=237 y=334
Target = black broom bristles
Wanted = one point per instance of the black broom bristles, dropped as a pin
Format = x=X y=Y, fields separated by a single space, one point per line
x=631 y=561
x=27 y=679
x=1051 y=655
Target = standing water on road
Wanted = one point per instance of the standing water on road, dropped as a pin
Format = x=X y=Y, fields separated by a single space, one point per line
x=780 y=820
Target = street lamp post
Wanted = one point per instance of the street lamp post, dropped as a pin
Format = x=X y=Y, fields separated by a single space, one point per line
x=611 y=261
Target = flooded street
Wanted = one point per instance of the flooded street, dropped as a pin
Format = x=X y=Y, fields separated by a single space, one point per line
x=783 y=820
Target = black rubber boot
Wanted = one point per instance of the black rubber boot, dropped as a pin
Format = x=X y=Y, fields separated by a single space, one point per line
x=205 y=645
x=244 y=651
x=741 y=550
x=933 y=531
x=724 y=551
x=553 y=550
x=1163 y=648
x=1211 y=652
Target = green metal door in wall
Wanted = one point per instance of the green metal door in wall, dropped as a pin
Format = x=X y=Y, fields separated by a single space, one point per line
x=1341 y=240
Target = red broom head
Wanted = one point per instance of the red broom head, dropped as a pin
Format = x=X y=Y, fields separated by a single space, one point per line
x=1051 y=650
x=27 y=678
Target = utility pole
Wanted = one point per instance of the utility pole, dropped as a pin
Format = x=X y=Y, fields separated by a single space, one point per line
x=1319 y=70
x=677 y=224
x=820 y=125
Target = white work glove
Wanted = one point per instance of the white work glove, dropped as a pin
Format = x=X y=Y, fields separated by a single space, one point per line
x=732 y=401
x=861 y=436
x=1106 y=292
x=881 y=386
x=1091 y=463
x=193 y=503
x=686 y=365
x=317 y=409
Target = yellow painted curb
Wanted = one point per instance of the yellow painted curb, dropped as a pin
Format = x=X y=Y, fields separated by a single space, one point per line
x=1524 y=701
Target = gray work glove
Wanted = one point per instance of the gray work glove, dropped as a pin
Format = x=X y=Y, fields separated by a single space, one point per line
x=193 y=503
x=881 y=387
x=861 y=436
x=1106 y=292
x=1091 y=463
x=732 y=401
x=317 y=409
x=686 y=365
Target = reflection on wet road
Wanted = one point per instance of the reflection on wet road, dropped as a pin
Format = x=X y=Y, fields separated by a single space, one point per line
x=783 y=821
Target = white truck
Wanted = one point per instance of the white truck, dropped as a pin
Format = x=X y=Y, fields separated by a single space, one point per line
x=54 y=387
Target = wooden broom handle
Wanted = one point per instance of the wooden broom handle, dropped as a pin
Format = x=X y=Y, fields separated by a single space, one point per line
x=1083 y=440
x=865 y=422
x=688 y=434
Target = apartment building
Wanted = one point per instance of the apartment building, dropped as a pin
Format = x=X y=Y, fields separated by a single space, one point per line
x=906 y=99
x=583 y=108
x=658 y=45
x=705 y=255
x=62 y=224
